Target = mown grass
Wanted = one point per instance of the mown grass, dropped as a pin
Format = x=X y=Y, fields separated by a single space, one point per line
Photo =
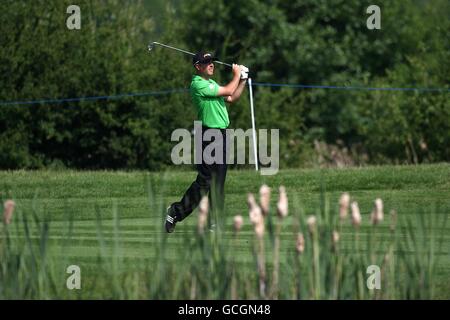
x=110 y=224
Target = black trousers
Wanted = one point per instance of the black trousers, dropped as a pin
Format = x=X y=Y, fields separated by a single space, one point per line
x=210 y=180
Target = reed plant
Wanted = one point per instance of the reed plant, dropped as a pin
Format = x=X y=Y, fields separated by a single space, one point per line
x=293 y=254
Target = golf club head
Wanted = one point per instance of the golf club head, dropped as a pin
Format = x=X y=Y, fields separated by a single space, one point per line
x=151 y=46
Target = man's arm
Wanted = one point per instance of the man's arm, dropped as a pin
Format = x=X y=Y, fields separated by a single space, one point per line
x=230 y=88
x=237 y=93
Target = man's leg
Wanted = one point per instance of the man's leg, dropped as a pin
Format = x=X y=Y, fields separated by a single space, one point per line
x=207 y=174
x=178 y=211
x=217 y=189
x=196 y=191
x=211 y=178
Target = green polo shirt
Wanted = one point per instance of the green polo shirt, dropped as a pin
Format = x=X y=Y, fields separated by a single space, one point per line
x=211 y=108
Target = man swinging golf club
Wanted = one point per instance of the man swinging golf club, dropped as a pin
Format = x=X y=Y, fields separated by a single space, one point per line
x=209 y=99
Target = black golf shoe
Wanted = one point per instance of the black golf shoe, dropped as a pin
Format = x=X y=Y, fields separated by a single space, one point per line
x=171 y=219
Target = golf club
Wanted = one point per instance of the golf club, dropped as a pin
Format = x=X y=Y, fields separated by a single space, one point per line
x=152 y=45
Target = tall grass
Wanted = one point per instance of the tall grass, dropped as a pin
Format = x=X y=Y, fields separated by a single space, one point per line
x=326 y=256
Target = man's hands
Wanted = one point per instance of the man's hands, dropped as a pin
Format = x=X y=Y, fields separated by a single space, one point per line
x=240 y=70
x=236 y=70
x=233 y=90
x=229 y=89
x=244 y=72
x=242 y=76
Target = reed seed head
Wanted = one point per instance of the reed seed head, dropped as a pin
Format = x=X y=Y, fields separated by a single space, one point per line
x=377 y=213
x=344 y=203
x=264 y=199
x=356 y=215
x=238 y=221
x=300 y=243
x=282 y=206
x=8 y=210
x=311 y=222
x=203 y=214
x=335 y=237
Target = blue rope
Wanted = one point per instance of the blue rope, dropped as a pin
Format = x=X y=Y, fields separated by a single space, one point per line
x=164 y=92
x=52 y=101
x=350 y=87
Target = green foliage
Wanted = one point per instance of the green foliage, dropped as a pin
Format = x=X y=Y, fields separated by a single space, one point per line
x=327 y=43
x=322 y=42
x=43 y=59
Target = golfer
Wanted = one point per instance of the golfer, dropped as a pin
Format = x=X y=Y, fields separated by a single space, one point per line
x=209 y=99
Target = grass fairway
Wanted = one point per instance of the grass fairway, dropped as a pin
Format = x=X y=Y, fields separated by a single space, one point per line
x=139 y=198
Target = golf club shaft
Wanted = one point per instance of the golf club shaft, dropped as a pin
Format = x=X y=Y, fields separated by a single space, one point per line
x=173 y=48
x=186 y=52
x=255 y=151
x=223 y=63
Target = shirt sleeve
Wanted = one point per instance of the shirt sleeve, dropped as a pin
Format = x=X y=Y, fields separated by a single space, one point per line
x=206 y=89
